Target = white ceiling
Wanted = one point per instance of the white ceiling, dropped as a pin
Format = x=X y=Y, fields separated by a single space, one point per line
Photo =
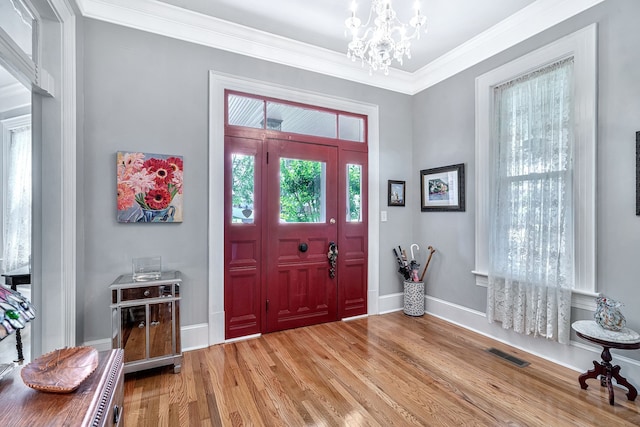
x=310 y=34
x=450 y=23
x=12 y=93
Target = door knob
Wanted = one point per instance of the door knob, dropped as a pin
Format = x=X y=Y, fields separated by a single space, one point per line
x=303 y=247
x=332 y=221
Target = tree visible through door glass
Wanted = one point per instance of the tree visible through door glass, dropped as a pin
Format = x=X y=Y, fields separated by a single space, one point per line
x=354 y=193
x=302 y=190
x=242 y=188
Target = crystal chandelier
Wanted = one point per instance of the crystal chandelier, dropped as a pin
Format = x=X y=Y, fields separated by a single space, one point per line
x=383 y=38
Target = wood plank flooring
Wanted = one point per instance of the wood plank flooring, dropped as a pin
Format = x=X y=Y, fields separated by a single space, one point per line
x=388 y=370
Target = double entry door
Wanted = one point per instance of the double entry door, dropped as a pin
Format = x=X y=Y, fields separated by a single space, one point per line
x=280 y=234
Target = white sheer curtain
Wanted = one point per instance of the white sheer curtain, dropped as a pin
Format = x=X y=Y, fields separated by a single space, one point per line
x=17 y=210
x=531 y=270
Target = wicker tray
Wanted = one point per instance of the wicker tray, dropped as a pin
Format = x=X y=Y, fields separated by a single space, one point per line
x=61 y=371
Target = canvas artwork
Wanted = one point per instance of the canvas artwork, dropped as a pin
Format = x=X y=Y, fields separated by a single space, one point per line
x=149 y=187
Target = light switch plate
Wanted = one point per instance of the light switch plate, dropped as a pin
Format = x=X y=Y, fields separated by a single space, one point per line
x=383 y=216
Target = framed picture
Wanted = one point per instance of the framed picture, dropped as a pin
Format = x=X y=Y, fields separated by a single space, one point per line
x=396 y=193
x=442 y=189
x=149 y=187
x=638 y=173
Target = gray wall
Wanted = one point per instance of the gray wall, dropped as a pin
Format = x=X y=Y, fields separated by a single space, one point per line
x=149 y=93
x=444 y=131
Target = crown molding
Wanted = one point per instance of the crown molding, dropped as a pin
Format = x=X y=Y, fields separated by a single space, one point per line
x=171 y=21
x=527 y=22
x=175 y=22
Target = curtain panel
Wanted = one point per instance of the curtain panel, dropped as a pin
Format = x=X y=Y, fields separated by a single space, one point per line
x=17 y=213
x=531 y=265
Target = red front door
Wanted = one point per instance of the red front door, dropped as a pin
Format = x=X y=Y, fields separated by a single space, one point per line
x=290 y=193
x=301 y=209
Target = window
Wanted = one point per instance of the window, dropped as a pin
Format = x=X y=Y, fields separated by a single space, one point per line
x=354 y=193
x=576 y=52
x=531 y=177
x=302 y=191
x=242 y=188
x=16 y=190
x=261 y=113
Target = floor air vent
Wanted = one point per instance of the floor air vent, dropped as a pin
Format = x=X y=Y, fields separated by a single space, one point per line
x=509 y=358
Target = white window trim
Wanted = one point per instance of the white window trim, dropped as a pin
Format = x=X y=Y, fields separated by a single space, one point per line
x=582 y=45
x=27 y=70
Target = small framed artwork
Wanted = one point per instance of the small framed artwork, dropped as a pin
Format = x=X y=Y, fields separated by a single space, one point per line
x=442 y=189
x=396 y=193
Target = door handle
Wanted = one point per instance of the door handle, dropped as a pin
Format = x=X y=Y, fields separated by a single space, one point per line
x=303 y=247
x=332 y=255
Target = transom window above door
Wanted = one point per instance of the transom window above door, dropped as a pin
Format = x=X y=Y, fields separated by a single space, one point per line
x=261 y=113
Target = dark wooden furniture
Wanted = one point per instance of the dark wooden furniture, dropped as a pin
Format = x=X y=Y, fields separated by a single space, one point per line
x=97 y=401
x=146 y=321
x=21 y=276
x=625 y=340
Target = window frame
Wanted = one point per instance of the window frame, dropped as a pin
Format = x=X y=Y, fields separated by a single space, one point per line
x=267 y=100
x=27 y=69
x=582 y=45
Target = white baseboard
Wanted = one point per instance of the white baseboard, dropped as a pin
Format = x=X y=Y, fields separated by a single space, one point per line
x=194 y=337
x=390 y=303
x=216 y=332
x=578 y=356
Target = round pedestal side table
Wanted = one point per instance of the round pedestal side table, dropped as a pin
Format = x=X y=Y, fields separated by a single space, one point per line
x=626 y=339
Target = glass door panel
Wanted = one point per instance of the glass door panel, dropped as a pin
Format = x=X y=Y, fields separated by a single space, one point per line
x=242 y=188
x=354 y=193
x=303 y=186
x=133 y=321
x=160 y=329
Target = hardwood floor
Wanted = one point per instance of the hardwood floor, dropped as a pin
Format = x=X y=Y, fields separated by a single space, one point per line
x=388 y=370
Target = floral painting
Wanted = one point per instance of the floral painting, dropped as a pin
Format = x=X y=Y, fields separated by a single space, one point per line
x=149 y=187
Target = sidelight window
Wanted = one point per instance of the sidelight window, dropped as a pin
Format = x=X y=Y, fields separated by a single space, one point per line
x=354 y=193
x=243 y=188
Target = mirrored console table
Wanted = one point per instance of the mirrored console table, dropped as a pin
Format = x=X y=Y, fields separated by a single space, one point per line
x=146 y=321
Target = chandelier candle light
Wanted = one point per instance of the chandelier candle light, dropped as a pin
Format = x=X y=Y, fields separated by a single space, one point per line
x=385 y=38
